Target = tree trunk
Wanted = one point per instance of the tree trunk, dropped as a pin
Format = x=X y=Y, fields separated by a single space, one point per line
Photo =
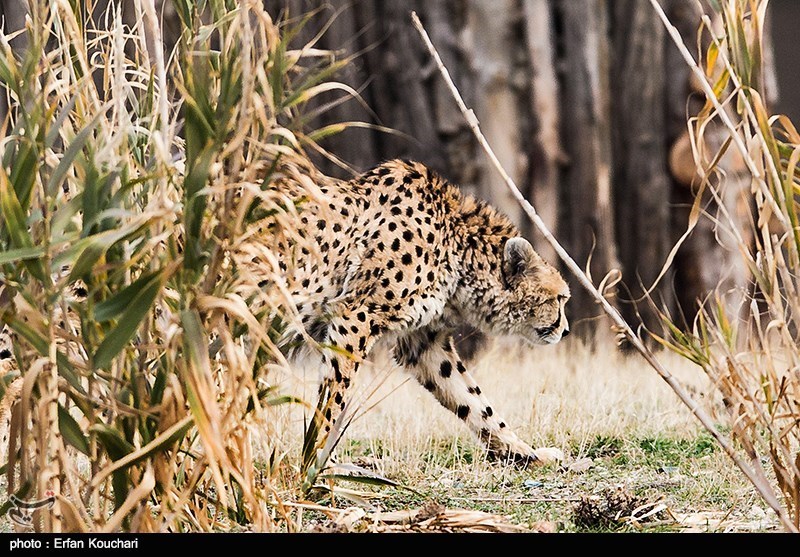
x=709 y=258
x=546 y=153
x=493 y=44
x=642 y=186
x=587 y=217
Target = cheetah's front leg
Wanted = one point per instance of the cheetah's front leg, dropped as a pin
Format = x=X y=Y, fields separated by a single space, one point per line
x=431 y=358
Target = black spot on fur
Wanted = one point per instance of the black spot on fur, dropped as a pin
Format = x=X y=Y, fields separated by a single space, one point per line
x=5 y=353
x=430 y=385
x=463 y=412
x=318 y=330
x=410 y=348
x=446 y=369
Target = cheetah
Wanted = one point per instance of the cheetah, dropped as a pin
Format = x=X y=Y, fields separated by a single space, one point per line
x=406 y=259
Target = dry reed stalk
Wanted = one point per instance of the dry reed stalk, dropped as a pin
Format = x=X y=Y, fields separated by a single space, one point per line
x=139 y=397
x=705 y=419
x=756 y=372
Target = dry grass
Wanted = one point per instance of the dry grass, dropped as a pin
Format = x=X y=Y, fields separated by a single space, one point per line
x=746 y=339
x=564 y=396
x=616 y=419
x=159 y=186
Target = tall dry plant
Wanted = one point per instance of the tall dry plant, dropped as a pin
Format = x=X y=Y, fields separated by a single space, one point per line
x=142 y=193
x=753 y=356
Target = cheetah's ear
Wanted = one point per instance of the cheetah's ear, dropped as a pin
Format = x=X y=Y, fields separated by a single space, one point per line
x=519 y=257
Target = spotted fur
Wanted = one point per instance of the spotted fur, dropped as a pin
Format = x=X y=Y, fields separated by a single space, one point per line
x=404 y=260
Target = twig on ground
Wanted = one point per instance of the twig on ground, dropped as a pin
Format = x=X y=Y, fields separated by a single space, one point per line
x=705 y=419
x=519 y=500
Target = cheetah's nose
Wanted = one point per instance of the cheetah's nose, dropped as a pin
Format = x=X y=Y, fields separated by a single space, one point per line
x=565 y=333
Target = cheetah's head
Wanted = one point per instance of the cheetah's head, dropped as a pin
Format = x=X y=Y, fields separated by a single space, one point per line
x=535 y=295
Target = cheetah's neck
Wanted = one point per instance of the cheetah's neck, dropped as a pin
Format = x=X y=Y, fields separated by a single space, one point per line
x=481 y=233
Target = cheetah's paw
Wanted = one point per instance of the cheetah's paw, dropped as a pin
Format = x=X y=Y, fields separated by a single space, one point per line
x=523 y=456
x=548 y=455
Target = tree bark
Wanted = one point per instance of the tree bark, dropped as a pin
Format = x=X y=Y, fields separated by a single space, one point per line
x=493 y=44
x=642 y=186
x=545 y=154
x=586 y=223
x=709 y=259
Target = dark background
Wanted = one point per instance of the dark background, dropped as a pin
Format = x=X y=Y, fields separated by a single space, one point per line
x=786 y=35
